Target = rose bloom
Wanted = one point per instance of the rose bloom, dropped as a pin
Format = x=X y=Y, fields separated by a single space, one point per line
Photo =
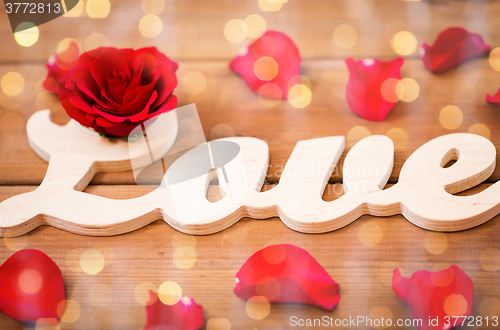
x=115 y=90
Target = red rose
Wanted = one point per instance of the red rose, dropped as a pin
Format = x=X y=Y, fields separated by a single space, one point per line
x=115 y=90
x=59 y=65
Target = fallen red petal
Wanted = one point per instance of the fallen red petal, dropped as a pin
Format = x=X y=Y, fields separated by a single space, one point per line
x=184 y=315
x=432 y=295
x=270 y=65
x=452 y=47
x=495 y=99
x=31 y=287
x=364 y=87
x=287 y=274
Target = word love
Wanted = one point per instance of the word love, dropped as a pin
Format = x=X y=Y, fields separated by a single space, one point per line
x=423 y=195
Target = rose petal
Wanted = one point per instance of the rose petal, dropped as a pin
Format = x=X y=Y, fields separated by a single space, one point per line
x=364 y=88
x=185 y=315
x=452 y=47
x=31 y=286
x=58 y=68
x=449 y=292
x=280 y=48
x=495 y=99
x=287 y=274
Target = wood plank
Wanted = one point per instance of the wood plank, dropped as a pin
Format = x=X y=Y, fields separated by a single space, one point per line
x=360 y=257
x=227 y=100
x=310 y=23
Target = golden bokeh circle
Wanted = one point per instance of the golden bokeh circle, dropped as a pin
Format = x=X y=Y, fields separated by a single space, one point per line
x=399 y=137
x=379 y=312
x=256 y=25
x=268 y=287
x=66 y=52
x=218 y=323
x=480 y=129
x=98 y=8
x=76 y=11
x=266 y=68
x=12 y=83
x=95 y=40
x=142 y=293
x=26 y=34
x=69 y=311
x=257 y=308
x=495 y=59
x=47 y=324
x=270 y=5
x=451 y=117
x=150 y=26
x=410 y=90
x=443 y=278
x=16 y=243
x=194 y=83
x=345 y=36
x=270 y=89
x=154 y=7
x=235 y=30
x=490 y=259
x=184 y=258
x=274 y=254
x=436 y=243
x=91 y=262
x=404 y=43
x=356 y=134
x=299 y=96
x=170 y=293
x=392 y=90
x=221 y=131
x=30 y=281
x=455 y=305
x=490 y=306
x=180 y=241
x=370 y=234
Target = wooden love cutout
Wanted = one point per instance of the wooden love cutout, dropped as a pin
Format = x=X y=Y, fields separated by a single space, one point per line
x=423 y=194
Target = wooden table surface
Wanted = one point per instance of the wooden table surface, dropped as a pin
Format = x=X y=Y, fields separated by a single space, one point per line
x=361 y=256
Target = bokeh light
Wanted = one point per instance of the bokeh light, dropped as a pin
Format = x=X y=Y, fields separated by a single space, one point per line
x=356 y=134
x=91 y=262
x=194 y=83
x=150 y=26
x=270 y=5
x=392 y=90
x=379 y=312
x=30 y=281
x=67 y=53
x=221 y=131
x=77 y=10
x=142 y=293
x=495 y=59
x=69 y=311
x=12 y=83
x=26 y=34
x=170 y=293
x=95 y=40
x=435 y=243
x=451 y=117
x=16 y=243
x=399 y=137
x=455 y=305
x=299 y=96
x=274 y=254
x=370 y=234
x=404 y=43
x=442 y=278
x=266 y=68
x=345 y=36
x=268 y=288
x=186 y=32
x=256 y=25
x=235 y=30
x=218 y=323
x=409 y=91
x=490 y=307
x=270 y=95
x=98 y=8
x=490 y=259
x=154 y=7
x=480 y=129
x=257 y=308
x=184 y=258
x=49 y=323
